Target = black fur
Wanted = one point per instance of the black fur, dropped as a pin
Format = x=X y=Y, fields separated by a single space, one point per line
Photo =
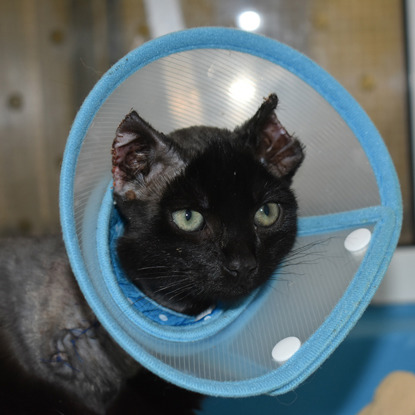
x=224 y=175
x=55 y=357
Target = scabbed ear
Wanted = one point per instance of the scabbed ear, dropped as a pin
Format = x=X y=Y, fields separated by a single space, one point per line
x=279 y=151
x=140 y=154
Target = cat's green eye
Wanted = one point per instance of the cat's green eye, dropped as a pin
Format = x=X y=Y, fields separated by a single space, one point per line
x=267 y=214
x=188 y=220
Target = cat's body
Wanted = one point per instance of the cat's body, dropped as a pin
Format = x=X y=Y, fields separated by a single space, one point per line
x=55 y=358
x=209 y=215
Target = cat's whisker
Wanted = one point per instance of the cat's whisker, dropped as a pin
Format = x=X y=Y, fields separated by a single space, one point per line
x=184 y=289
x=172 y=288
x=152 y=267
x=298 y=255
x=177 y=284
x=155 y=277
x=149 y=276
x=176 y=297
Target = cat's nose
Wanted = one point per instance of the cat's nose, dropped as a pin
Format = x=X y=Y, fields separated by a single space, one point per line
x=241 y=266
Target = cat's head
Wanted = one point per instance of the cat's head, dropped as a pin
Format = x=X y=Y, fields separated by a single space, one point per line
x=209 y=212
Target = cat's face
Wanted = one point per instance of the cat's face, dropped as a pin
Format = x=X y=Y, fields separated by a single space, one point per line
x=210 y=224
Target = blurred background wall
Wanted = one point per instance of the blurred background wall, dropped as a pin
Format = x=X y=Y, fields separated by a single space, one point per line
x=52 y=52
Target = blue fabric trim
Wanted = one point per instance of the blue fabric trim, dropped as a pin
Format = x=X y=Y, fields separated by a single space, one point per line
x=353 y=303
x=367 y=279
x=323 y=342
x=315 y=225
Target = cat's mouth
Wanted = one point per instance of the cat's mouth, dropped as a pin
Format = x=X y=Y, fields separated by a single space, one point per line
x=233 y=292
x=225 y=288
x=187 y=300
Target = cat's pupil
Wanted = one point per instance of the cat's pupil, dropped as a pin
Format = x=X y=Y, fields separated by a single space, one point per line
x=188 y=215
x=265 y=209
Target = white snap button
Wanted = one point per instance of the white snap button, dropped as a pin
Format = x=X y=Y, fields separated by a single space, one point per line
x=285 y=349
x=358 y=240
x=163 y=317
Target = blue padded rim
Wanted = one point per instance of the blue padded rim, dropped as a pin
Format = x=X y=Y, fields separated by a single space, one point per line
x=346 y=313
x=386 y=233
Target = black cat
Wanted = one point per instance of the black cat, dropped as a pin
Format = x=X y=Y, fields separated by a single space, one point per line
x=208 y=214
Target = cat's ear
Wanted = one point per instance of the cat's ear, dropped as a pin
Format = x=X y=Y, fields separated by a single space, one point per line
x=140 y=154
x=279 y=151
